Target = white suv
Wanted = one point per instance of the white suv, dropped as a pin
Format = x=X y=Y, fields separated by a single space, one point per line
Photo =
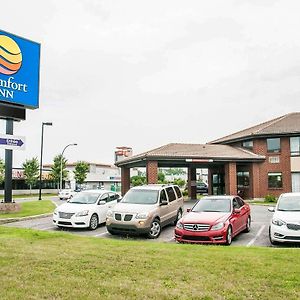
x=145 y=210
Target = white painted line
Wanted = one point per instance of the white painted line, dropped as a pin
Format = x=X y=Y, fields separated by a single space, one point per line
x=257 y=235
x=100 y=234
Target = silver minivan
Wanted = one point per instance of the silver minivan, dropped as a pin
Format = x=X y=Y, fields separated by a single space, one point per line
x=145 y=210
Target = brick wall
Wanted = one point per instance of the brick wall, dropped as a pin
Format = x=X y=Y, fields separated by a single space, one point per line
x=152 y=172
x=125 y=180
x=230 y=179
x=284 y=166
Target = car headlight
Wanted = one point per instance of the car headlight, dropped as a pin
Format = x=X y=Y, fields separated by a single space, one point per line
x=142 y=216
x=218 y=226
x=82 y=213
x=179 y=225
x=278 y=222
x=109 y=214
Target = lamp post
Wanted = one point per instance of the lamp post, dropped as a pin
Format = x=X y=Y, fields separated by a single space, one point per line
x=61 y=162
x=41 y=160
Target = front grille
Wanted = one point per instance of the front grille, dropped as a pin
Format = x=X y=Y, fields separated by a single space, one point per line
x=292 y=238
x=128 y=217
x=64 y=223
x=196 y=238
x=293 y=226
x=64 y=215
x=118 y=217
x=196 y=227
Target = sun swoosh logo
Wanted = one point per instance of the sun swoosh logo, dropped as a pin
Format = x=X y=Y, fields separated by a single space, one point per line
x=10 y=56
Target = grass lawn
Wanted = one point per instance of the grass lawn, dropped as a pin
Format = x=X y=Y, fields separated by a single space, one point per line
x=44 y=265
x=31 y=208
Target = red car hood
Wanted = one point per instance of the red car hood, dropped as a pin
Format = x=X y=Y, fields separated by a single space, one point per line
x=205 y=217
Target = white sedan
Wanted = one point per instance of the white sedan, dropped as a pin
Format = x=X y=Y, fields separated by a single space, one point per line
x=85 y=209
x=66 y=194
x=285 y=224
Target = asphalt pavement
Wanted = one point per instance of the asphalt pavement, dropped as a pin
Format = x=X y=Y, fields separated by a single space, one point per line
x=258 y=235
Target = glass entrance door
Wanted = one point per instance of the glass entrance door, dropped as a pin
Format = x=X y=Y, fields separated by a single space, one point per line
x=218 y=184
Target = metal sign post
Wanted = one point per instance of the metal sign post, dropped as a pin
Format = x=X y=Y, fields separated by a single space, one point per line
x=8 y=165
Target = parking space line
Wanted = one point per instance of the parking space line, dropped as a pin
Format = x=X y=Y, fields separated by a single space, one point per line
x=257 y=235
x=100 y=234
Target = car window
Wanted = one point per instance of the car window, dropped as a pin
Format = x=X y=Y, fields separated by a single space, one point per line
x=112 y=197
x=240 y=201
x=142 y=196
x=178 y=192
x=105 y=198
x=212 y=205
x=163 y=196
x=171 y=194
x=235 y=204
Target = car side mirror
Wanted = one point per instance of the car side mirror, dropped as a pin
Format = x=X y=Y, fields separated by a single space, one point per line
x=271 y=209
x=236 y=211
x=163 y=202
x=102 y=202
x=188 y=210
x=119 y=199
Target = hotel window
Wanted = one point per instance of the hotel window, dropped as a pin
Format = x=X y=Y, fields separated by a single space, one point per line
x=275 y=180
x=248 y=145
x=273 y=145
x=295 y=145
x=243 y=179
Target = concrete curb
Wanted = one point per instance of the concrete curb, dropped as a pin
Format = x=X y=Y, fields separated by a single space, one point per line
x=11 y=220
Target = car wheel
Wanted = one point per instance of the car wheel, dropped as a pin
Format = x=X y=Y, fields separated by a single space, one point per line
x=229 y=235
x=270 y=238
x=155 y=229
x=178 y=217
x=248 y=224
x=93 y=222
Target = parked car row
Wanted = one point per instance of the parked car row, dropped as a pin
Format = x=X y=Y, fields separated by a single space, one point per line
x=147 y=209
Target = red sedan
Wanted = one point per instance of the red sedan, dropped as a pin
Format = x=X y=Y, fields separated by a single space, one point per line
x=214 y=219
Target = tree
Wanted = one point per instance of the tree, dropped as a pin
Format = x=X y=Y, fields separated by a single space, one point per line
x=138 y=180
x=2 y=168
x=161 y=177
x=175 y=171
x=55 y=172
x=80 y=172
x=31 y=171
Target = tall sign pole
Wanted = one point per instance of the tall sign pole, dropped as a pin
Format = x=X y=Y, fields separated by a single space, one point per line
x=8 y=165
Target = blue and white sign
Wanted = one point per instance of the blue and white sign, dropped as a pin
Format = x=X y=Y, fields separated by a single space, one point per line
x=19 y=70
x=12 y=142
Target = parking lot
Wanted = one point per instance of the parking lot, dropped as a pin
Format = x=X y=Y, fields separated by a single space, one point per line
x=258 y=236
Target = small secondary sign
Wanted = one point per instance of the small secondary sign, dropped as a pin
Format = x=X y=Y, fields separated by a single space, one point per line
x=12 y=142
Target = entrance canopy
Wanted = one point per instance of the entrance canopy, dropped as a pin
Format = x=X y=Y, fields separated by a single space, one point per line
x=222 y=159
x=183 y=155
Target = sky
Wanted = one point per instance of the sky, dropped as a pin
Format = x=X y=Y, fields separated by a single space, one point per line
x=147 y=73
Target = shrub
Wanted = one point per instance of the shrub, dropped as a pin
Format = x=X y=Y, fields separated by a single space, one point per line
x=270 y=198
x=185 y=193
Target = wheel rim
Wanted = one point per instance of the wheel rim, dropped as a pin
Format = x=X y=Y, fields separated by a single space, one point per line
x=248 y=223
x=94 y=222
x=179 y=215
x=155 y=229
x=229 y=235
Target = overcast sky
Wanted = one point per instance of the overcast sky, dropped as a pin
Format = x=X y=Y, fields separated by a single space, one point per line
x=147 y=73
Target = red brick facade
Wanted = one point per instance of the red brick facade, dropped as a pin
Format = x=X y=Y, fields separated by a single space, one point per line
x=152 y=171
x=125 y=177
x=192 y=186
x=230 y=179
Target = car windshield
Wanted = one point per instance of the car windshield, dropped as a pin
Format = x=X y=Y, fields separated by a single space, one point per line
x=289 y=203
x=212 y=205
x=85 y=198
x=140 y=197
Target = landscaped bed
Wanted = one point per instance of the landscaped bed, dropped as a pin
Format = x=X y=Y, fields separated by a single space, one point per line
x=43 y=265
x=31 y=208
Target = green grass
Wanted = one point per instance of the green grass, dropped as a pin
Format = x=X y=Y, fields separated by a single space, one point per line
x=43 y=265
x=31 y=208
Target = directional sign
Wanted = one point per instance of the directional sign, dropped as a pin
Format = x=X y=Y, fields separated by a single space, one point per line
x=12 y=142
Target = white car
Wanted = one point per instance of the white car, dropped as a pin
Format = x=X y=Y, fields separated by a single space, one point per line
x=85 y=209
x=285 y=224
x=66 y=194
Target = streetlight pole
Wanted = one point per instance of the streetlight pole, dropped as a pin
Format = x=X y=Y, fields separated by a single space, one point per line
x=61 y=162
x=41 y=160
